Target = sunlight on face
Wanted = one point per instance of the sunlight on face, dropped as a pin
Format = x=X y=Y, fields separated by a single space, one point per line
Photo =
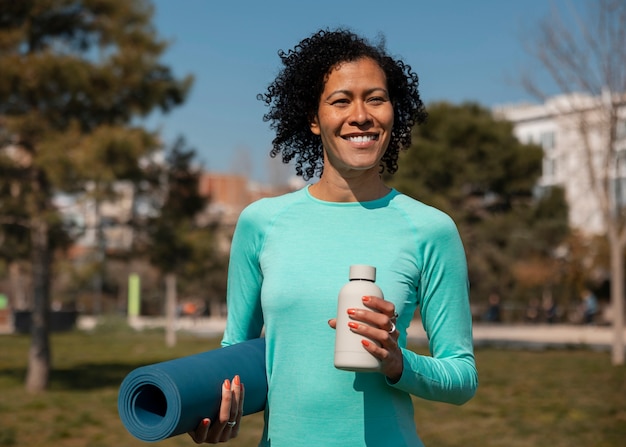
x=355 y=117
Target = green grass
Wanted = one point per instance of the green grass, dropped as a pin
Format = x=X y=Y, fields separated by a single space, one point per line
x=526 y=398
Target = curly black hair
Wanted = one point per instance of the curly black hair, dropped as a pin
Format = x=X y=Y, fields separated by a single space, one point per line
x=293 y=97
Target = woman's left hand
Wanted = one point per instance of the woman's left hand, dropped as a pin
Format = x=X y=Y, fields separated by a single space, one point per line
x=379 y=325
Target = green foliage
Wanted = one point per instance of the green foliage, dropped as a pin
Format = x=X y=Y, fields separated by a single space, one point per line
x=74 y=74
x=171 y=232
x=204 y=273
x=471 y=166
x=463 y=153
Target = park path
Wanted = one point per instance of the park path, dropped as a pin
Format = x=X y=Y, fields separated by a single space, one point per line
x=535 y=336
x=503 y=335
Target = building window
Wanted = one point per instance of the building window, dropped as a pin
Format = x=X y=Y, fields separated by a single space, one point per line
x=620 y=130
x=549 y=169
x=618 y=183
x=620 y=159
x=547 y=141
x=618 y=192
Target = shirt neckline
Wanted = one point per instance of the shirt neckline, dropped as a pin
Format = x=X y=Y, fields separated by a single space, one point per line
x=377 y=203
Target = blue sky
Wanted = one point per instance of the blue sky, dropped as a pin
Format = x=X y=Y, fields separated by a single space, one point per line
x=462 y=50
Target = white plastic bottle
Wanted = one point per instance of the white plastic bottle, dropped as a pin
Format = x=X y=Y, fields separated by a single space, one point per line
x=350 y=354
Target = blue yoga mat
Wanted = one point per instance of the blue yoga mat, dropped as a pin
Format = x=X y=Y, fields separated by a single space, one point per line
x=166 y=399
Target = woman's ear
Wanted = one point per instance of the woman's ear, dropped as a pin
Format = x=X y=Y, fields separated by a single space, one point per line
x=314 y=125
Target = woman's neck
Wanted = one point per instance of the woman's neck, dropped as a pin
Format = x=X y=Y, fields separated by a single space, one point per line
x=361 y=188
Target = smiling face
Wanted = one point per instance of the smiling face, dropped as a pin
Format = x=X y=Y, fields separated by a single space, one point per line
x=354 y=118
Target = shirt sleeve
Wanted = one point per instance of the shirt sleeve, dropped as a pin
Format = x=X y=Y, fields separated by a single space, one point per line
x=449 y=374
x=243 y=297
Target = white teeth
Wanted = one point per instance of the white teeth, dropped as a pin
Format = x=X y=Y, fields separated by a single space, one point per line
x=362 y=138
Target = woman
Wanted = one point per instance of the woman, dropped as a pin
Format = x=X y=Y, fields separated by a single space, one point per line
x=343 y=109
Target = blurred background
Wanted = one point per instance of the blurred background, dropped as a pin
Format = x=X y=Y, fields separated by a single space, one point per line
x=131 y=138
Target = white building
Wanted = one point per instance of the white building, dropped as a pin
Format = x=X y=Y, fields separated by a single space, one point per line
x=555 y=126
x=113 y=217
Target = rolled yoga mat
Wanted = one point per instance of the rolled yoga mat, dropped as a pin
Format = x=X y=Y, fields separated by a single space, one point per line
x=166 y=399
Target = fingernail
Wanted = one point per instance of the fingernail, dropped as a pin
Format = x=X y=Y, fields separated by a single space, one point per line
x=366 y=299
x=205 y=422
x=351 y=311
x=365 y=342
x=227 y=384
x=353 y=325
x=237 y=381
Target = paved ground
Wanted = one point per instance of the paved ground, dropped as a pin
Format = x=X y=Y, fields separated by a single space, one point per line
x=505 y=335
x=536 y=335
x=531 y=336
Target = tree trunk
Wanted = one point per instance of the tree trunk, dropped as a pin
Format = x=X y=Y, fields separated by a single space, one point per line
x=39 y=353
x=18 y=293
x=170 y=309
x=100 y=256
x=617 y=300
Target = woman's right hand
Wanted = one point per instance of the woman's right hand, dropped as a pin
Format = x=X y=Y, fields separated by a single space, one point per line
x=229 y=418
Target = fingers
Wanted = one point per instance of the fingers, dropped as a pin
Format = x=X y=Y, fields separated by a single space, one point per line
x=227 y=410
x=226 y=425
x=391 y=360
x=377 y=327
x=382 y=315
x=236 y=407
x=378 y=324
x=385 y=338
x=227 y=399
x=379 y=305
x=201 y=432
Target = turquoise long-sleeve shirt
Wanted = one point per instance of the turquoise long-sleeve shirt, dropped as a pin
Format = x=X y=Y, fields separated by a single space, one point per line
x=290 y=255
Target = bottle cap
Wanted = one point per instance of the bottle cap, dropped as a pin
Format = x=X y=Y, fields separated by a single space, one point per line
x=359 y=271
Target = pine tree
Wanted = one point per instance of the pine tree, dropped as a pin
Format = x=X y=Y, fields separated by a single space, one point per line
x=470 y=165
x=74 y=76
x=173 y=235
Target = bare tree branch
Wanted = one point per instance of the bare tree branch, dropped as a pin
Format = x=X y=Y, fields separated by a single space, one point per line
x=585 y=56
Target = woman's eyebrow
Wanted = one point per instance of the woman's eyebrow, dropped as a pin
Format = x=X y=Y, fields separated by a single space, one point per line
x=350 y=93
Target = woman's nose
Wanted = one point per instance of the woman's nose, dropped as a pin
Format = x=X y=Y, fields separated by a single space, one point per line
x=360 y=115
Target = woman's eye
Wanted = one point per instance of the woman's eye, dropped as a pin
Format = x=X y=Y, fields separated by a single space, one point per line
x=340 y=102
x=376 y=100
